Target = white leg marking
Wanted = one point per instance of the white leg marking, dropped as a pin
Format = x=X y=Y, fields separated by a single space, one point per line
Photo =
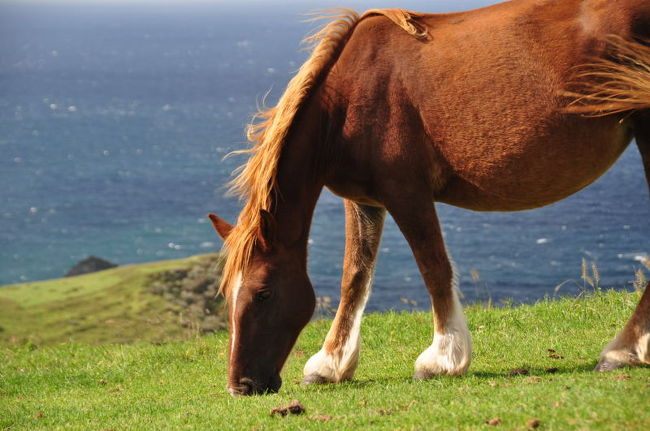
x=643 y=348
x=233 y=303
x=617 y=352
x=341 y=364
x=451 y=350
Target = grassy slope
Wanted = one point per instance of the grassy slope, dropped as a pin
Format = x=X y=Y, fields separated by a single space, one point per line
x=112 y=306
x=181 y=385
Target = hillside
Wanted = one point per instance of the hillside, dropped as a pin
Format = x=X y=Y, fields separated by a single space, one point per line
x=514 y=380
x=153 y=302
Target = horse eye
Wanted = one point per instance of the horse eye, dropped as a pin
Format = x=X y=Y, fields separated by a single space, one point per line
x=263 y=295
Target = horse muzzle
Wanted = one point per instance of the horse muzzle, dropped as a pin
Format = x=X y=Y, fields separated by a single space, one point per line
x=248 y=386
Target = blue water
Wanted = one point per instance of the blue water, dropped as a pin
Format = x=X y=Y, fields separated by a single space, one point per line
x=114 y=120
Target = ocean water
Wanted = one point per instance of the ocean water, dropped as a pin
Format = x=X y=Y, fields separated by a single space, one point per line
x=114 y=121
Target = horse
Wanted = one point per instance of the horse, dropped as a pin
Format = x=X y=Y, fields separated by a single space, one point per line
x=504 y=108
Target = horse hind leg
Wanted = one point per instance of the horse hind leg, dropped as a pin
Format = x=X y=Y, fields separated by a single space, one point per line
x=451 y=350
x=338 y=359
x=632 y=345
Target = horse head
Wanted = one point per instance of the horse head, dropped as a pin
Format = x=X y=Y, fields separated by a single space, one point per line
x=270 y=301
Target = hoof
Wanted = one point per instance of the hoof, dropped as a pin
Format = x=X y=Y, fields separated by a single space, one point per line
x=314 y=379
x=419 y=376
x=422 y=375
x=604 y=366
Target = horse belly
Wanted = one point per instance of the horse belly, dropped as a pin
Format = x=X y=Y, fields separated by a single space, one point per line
x=534 y=172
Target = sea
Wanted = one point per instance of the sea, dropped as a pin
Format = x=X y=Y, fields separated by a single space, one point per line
x=115 y=118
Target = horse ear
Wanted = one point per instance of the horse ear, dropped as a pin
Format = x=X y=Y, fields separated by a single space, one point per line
x=267 y=229
x=222 y=227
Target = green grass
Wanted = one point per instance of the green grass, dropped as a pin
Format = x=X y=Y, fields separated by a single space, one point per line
x=112 y=306
x=182 y=385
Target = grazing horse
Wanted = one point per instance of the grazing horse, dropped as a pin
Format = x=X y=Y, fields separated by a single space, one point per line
x=504 y=108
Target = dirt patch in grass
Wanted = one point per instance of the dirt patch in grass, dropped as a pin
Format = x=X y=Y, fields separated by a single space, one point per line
x=294 y=408
x=518 y=372
x=533 y=423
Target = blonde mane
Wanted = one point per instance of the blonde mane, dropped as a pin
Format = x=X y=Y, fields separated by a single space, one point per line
x=256 y=180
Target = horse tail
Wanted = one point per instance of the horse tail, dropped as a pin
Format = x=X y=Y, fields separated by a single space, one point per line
x=614 y=84
x=256 y=180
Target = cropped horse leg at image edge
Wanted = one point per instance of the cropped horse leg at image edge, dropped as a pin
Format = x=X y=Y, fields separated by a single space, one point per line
x=632 y=345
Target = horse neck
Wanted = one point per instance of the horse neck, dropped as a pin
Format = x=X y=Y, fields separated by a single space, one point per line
x=299 y=182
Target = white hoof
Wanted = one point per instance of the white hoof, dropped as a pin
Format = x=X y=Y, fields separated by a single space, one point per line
x=617 y=355
x=450 y=354
x=340 y=364
x=451 y=351
x=327 y=368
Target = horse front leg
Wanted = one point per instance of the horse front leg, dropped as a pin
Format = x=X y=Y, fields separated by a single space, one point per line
x=451 y=350
x=632 y=346
x=338 y=358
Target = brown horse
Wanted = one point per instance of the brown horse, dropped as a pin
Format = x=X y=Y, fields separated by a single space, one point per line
x=505 y=108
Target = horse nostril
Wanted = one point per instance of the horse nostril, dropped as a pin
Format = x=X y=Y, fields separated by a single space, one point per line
x=246 y=386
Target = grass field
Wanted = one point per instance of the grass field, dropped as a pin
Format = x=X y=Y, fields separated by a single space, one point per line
x=181 y=385
x=112 y=306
